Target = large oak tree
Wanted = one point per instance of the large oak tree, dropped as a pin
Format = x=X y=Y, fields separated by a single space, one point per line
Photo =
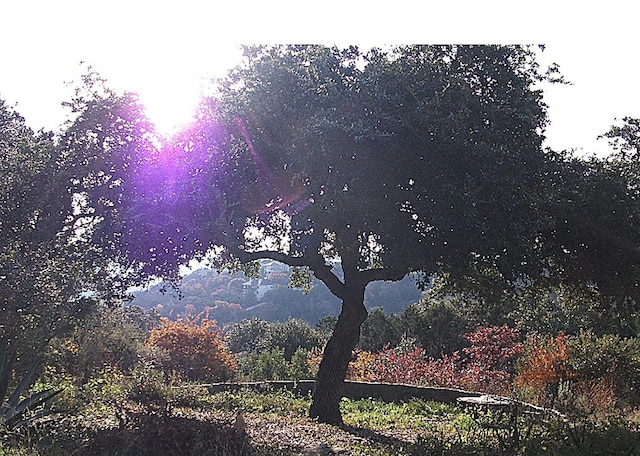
x=420 y=159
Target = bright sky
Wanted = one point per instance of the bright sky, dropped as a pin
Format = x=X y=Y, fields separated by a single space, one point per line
x=167 y=50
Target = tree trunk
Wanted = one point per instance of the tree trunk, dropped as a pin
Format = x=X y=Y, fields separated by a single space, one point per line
x=335 y=360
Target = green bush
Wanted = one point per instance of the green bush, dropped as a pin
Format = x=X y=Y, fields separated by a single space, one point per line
x=436 y=324
x=105 y=339
x=271 y=364
x=273 y=351
x=291 y=336
x=379 y=331
x=250 y=335
x=247 y=335
x=608 y=357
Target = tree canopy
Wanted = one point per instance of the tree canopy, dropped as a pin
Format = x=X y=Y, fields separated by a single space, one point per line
x=57 y=190
x=44 y=261
x=393 y=161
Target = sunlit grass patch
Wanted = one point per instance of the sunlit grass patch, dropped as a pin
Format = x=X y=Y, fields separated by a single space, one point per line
x=275 y=402
x=375 y=414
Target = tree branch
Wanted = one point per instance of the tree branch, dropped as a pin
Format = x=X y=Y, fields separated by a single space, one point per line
x=315 y=263
x=390 y=274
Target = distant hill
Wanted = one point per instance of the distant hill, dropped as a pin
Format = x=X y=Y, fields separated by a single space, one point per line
x=229 y=298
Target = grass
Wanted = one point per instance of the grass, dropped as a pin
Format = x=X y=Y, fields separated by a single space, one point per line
x=416 y=414
x=269 y=403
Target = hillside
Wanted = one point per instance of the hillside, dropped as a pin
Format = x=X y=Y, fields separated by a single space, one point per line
x=229 y=298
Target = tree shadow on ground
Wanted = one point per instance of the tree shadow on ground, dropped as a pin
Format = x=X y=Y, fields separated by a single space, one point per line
x=374 y=436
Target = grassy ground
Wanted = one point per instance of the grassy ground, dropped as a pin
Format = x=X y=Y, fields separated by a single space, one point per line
x=194 y=422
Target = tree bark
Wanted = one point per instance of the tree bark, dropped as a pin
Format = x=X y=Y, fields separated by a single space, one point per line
x=329 y=388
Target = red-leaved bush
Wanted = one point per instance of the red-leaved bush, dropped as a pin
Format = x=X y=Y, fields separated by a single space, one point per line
x=486 y=365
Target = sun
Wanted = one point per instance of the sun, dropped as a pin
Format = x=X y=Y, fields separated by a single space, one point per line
x=171 y=87
x=170 y=104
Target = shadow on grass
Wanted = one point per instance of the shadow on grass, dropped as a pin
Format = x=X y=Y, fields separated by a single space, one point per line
x=427 y=445
x=374 y=436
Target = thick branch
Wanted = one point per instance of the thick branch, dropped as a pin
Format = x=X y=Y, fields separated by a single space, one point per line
x=315 y=263
x=390 y=274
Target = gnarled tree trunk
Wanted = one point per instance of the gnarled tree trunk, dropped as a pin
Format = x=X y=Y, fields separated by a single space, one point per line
x=335 y=360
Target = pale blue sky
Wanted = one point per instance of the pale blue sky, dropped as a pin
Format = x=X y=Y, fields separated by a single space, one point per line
x=166 y=50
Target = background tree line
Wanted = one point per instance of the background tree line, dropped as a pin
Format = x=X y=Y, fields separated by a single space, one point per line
x=228 y=298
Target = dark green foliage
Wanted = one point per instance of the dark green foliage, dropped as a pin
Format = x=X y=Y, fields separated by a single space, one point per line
x=273 y=351
x=266 y=364
x=380 y=330
x=271 y=364
x=258 y=335
x=571 y=309
x=107 y=338
x=326 y=325
x=543 y=308
x=247 y=335
x=293 y=335
x=40 y=271
x=58 y=192
x=436 y=325
x=609 y=357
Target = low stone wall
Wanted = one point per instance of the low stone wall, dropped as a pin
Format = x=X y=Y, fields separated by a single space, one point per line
x=388 y=392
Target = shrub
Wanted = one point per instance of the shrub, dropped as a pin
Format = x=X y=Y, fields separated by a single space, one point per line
x=256 y=334
x=609 y=356
x=361 y=367
x=544 y=367
x=586 y=373
x=486 y=365
x=291 y=336
x=271 y=364
x=268 y=364
x=379 y=330
x=436 y=324
x=106 y=338
x=194 y=347
x=299 y=368
x=246 y=335
x=274 y=351
x=15 y=409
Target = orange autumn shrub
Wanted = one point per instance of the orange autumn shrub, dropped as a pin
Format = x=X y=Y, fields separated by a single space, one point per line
x=360 y=367
x=544 y=367
x=194 y=348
